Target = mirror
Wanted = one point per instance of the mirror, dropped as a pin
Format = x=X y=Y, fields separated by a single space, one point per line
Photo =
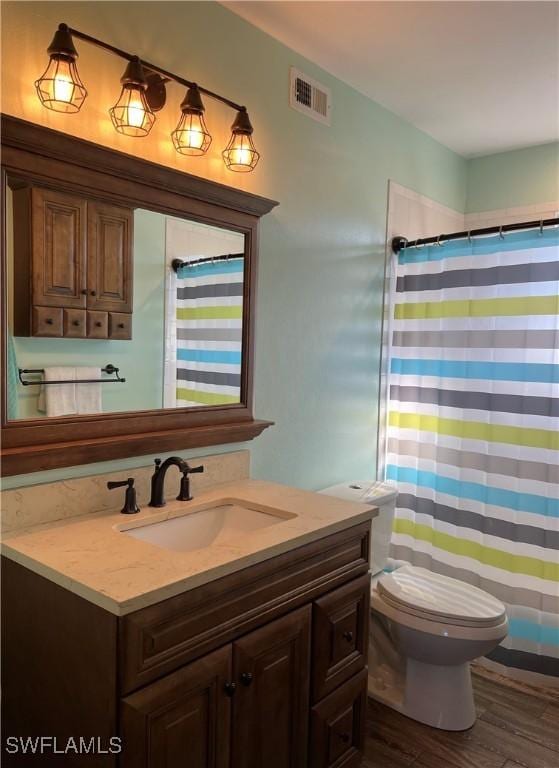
x=150 y=304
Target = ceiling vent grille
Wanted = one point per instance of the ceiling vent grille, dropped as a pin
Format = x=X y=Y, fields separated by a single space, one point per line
x=309 y=96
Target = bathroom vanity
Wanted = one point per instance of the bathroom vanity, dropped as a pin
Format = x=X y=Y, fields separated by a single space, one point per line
x=248 y=651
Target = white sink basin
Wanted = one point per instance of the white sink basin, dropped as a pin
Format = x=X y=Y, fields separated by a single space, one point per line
x=219 y=522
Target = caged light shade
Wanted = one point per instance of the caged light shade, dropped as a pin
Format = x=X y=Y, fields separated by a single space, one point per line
x=60 y=88
x=191 y=136
x=240 y=154
x=132 y=115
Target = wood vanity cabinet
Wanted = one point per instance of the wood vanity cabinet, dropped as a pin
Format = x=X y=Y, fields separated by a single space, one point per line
x=73 y=265
x=264 y=668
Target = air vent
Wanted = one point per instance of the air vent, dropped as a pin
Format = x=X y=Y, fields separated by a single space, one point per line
x=309 y=97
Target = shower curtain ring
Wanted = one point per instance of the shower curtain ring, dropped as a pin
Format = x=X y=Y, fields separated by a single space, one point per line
x=469 y=237
x=501 y=236
x=439 y=241
x=541 y=227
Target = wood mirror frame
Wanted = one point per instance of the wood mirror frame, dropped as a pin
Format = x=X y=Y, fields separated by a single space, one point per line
x=54 y=159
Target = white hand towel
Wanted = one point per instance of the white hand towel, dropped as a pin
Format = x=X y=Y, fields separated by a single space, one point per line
x=88 y=396
x=58 y=399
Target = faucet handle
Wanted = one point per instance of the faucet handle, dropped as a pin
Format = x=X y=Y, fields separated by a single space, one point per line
x=195 y=470
x=130 y=505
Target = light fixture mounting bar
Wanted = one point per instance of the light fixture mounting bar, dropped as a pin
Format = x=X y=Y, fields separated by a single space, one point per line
x=153 y=67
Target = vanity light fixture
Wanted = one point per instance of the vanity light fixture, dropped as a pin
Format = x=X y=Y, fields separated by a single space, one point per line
x=132 y=115
x=240 y=154
x=59 y=88
x=144 y=93
x=191 y=136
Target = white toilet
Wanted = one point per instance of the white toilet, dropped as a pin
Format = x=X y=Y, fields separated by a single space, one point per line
x=425 y=628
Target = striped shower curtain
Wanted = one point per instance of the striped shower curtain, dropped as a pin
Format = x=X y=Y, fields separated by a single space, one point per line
x=473 y=429
x=208 y=333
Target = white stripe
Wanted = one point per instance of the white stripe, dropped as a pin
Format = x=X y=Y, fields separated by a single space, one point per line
x=478 y=537
x=233 y=323
x=210 y=301
x=225 y=346
x=194 y=365
x=535 y=388
x=193 y=282
x=508 y=450
x=199 y=386
x=493 y=322
x=483 y=354
x=540 y=488
x=471 y=293
x=515 y=580
x=500 y=259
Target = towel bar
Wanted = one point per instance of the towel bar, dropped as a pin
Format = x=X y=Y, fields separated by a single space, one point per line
x=110 y=369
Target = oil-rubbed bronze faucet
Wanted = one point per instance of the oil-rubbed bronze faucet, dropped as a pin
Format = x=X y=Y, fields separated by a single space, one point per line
x=158 y=480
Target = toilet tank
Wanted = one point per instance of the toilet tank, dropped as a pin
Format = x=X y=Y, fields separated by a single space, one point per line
x=377 y=494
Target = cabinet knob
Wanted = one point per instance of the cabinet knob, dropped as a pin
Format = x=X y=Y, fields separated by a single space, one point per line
x=348 y=636
x=230 y=689
x=98 y=324
x=84 y=291
x=345 y=737
x=121 y=325
x=75 y=322
x=94 y=293
x=48 y=321
x=246 y=678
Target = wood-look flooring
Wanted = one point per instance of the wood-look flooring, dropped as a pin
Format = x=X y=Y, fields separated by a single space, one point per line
x=514 y=729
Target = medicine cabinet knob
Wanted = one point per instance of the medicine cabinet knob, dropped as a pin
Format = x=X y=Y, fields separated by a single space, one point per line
x=84 y=291
x=94 y=293
x=121 y=325
x=348 y=636
x=230 y=689
x=48 y=321
x=98 y=323
x=75 y=322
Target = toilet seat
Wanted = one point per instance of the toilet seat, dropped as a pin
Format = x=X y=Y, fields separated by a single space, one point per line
x=432 y=597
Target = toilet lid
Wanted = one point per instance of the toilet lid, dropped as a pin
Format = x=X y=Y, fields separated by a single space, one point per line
x=440 y=597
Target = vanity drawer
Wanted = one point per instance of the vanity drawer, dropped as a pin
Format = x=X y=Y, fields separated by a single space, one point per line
x=338 y=726
x=120 y=325
x=47 y=321
x=97 y=325
x=162 y=637
x=340 y=635
x=74 y=323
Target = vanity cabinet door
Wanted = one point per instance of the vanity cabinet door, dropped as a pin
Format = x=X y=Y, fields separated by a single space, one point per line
x=109 y=257
x=183 y=719
x=271 y=703
x=58 y=248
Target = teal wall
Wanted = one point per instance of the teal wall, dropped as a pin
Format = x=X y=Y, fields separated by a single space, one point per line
x=512 y=179
x=137 y=359
x=321 y=250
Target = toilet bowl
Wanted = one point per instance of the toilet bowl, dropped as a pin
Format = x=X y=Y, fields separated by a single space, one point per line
x=425 y=628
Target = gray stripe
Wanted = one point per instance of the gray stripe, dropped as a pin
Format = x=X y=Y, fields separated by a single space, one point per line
x=499 y=465
x=479 y=401
x=511 y=595
x=531 y=662
x=529 y=339
x=209 y=377
x=465 y=278
x=210 y=334
x=211 y=290
x=531 y=646
x=504 y=529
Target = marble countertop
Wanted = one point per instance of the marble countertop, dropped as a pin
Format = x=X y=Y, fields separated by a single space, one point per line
x=91 y=556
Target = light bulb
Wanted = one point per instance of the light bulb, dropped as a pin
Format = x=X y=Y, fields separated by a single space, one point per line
x=240 y=154
x=191 y=136
x=59 y=88
x=132 y=115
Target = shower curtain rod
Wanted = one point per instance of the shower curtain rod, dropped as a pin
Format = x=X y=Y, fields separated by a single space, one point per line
x=399 y=242
x=176 y=264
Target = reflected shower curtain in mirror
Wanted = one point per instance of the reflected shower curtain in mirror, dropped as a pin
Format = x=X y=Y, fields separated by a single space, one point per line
x=207 y=333
x=473 y=429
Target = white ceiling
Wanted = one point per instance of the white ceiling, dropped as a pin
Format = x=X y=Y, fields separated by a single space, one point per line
x=480 y=77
